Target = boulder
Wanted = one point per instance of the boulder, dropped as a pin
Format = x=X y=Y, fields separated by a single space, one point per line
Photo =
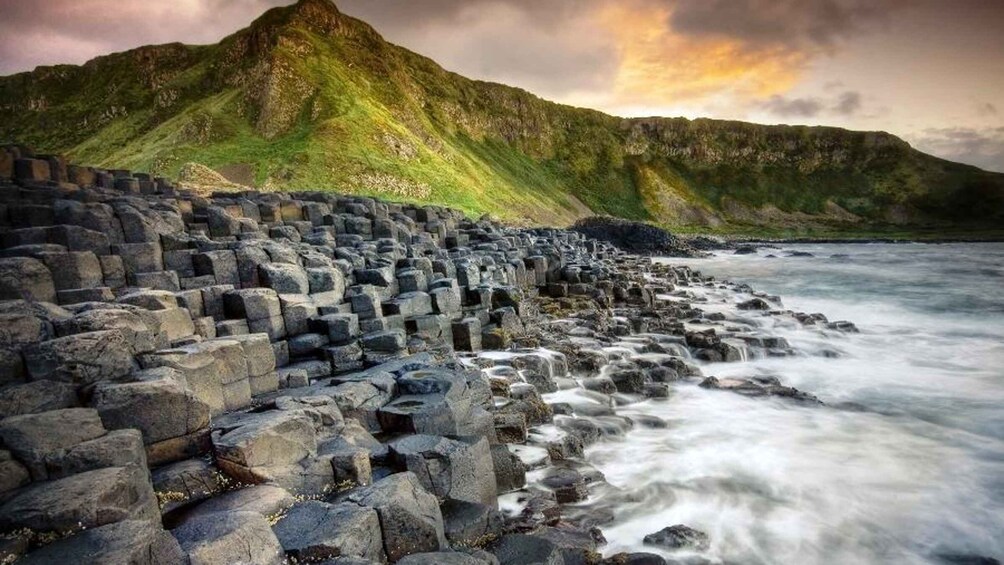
x=284 y=278
x=185 y=482
x=522 y=549
x=229 y=537
x=443 y=558
x=271 y=439
x=132 y=542
x=36 y=438
x=470 y=524
x=82 y=358
x=85 y=500
x=36 y=397
x=679 y=537
x=119 y=448
x=449 y=468
x=26 y=278
x=315 y=530
x=269 y=501
x=160 y=408
x=409 y=515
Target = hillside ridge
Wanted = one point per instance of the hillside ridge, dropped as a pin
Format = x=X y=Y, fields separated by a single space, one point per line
x=308 y=97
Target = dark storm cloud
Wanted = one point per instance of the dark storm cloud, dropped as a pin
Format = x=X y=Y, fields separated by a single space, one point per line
x=790 y=22
x=981 y=147
x=845 y=104
x=848 y=103
x=793 y=107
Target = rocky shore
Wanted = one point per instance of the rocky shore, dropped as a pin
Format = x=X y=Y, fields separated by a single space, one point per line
x=318 y=378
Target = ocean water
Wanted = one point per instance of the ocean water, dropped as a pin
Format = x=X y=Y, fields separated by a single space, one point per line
x=903 y=464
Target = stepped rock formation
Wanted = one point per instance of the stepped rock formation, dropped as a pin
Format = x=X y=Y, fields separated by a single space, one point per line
x=309 y=98
x=260 y=377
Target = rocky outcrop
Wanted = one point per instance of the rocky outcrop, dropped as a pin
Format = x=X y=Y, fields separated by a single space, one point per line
x=253 y=377
x=635 y=237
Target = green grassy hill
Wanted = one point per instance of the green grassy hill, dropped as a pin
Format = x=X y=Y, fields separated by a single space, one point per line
x=307 y=97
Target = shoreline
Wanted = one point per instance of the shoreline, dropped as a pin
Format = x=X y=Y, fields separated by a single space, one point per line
x=334 y=377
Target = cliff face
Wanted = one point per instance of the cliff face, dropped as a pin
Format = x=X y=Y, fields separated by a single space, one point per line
x=307 y=97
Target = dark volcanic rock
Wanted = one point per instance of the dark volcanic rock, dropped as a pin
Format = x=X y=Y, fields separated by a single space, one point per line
x=679 y=537
x=635 y=237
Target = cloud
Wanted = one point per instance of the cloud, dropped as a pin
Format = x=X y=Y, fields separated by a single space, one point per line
x=981 y=147
x=848 y=103
x=553 y=48
x=74 y=31
x=610 y=54
x=794 y=23
x=793 y=107
x=627 y=55
x=985 y=110
x=845 y=104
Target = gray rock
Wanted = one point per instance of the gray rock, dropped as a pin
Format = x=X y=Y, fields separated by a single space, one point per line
x=36 y=397
x=449 y=468
x=522 y=549
x=82 y=358
x=26 y=278
x=161 y=408
x=85 y=500
x=470 y=524
x=185 y=482
x=272 y=439
x=284 y=278
x=409 y=516
x=229 y=537
x=132 y=542
x=679 y=537
x=316 y=530
x=35 y=438
x=510 y=471
x=269 y=501
x=443 y=558
x=120 y=448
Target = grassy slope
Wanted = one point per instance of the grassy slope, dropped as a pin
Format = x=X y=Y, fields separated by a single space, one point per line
x=312 y=99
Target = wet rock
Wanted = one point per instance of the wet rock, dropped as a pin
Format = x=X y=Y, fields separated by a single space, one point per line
x=444 y=558
x=758 y=386
x=568 y=485
x=634 y=559
x=754 y=304
x=679 y=537
x=510 y=472
x=470 y=524
x=522 y=549
x=577 y=545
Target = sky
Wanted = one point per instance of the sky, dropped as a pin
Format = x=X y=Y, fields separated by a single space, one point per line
x=930 y=71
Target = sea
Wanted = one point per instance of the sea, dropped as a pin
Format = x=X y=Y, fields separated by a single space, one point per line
x=902 y=463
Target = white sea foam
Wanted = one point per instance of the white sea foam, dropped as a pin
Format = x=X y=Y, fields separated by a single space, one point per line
x=905 y=462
